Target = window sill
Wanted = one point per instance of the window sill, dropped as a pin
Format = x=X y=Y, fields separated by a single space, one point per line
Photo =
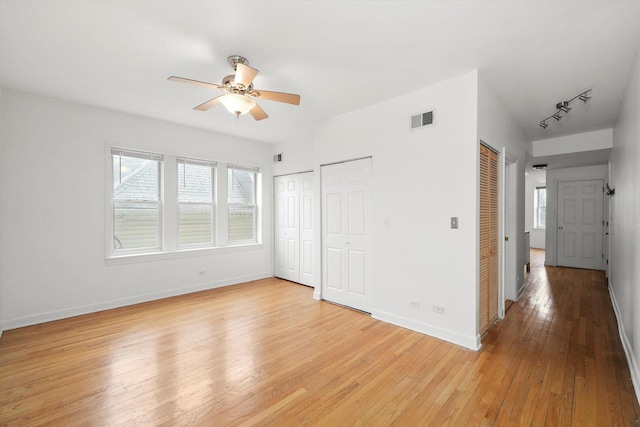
x=180 y=253
x=539 y=228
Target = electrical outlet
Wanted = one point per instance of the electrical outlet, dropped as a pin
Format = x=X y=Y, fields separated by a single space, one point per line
x=202 y=272
x=414 y=304
x=438 y=309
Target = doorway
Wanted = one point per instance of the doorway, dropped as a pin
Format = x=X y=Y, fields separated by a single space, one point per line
x=346 y=252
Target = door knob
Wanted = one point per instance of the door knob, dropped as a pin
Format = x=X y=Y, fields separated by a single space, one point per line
x=560 y=228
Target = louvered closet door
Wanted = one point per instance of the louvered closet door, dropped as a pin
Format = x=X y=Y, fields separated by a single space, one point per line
x=488 y=238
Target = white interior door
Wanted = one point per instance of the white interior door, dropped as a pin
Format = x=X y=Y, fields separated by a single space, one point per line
x=293 y=215
x=580 y=224
x=287 y=232
x=346 y=253
x=306 y=229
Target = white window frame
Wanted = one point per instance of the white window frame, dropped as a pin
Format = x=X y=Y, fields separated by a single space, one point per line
x=537 y=208
x=111 y=241
x=169 y=215
x=213 y=165
x=255 y=205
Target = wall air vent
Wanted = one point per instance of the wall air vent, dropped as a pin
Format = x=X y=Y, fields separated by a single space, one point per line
x=421 y=120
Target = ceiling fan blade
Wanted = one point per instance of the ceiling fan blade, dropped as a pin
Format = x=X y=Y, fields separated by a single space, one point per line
x=210 y=103
x=289 y=98
x=194 y=82
x=245 y=74
x=258 y=113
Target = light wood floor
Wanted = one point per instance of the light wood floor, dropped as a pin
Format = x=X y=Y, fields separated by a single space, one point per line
x=266 y=353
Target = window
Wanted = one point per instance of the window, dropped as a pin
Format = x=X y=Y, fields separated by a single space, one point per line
x=196 y=204
x=540 y=206
x=241 y=201
x=161 y=203
x=136 y=201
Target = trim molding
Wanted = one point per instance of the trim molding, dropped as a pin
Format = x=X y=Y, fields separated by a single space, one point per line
x=35 y=319
x=473 y=343
x=628 y=350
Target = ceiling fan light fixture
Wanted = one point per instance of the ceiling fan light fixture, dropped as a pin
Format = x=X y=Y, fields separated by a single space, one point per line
x=237 y=104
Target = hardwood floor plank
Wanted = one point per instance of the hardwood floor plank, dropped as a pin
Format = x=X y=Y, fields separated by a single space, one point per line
x=266 y=353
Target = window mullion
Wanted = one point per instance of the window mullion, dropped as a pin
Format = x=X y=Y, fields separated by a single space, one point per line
x=170 y=192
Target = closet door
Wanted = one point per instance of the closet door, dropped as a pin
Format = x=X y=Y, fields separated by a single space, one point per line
x=293 y=215
x=287 y=227
x=346 y=253
x=306 y=229
x=488 y=307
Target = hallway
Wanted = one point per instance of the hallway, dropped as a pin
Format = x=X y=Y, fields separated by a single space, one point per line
x=561 y=340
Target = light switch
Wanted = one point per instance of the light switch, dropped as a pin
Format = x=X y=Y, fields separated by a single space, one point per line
x=454 y=222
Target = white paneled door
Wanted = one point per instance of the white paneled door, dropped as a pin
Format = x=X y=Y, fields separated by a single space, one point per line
x=294 y=227
x=346 y=254
x=580 y=224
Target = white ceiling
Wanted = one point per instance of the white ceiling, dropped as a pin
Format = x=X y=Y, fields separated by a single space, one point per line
x=339 y=56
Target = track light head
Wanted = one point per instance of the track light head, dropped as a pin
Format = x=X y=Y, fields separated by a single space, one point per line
x=584 y=97
x=563 y=106
x=543 y=124
x=557 y=116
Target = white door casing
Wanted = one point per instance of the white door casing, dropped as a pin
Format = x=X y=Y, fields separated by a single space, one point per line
x=580 y=224
x=346 y=254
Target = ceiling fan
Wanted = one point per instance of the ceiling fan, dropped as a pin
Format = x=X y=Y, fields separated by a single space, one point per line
x=240 y=96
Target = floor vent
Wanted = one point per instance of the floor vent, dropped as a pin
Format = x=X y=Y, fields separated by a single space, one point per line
x=421 y=120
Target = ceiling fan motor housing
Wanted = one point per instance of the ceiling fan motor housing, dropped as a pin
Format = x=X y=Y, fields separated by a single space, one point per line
x=234 y=60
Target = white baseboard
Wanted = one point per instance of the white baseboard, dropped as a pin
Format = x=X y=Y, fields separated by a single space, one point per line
x=473 y=343
x=20 y=322
x=316 y=295
x=628 y=350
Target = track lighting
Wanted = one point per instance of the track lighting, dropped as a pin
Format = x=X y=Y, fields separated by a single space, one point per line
x=563 y=107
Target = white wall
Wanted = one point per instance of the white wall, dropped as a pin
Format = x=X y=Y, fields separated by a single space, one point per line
x=296 y=157
x=536 y=236
x=2 y=156
x=498 y=128
x=624 y=261
x=553 y=177
x=53 y=209
x=587 y=141
x=419 y=180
